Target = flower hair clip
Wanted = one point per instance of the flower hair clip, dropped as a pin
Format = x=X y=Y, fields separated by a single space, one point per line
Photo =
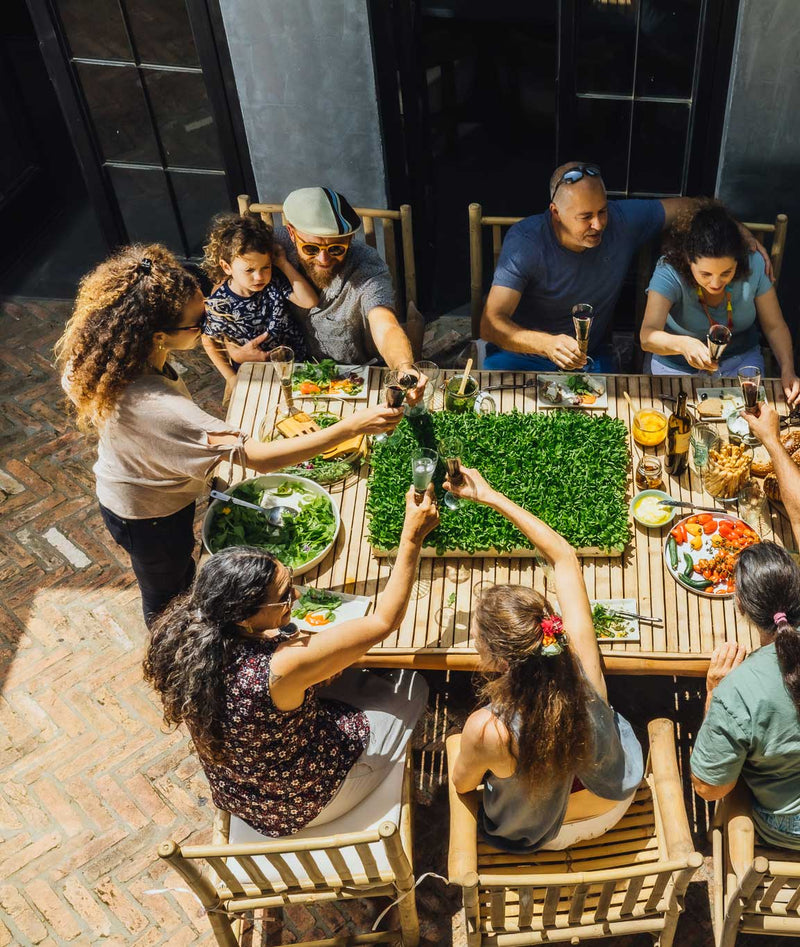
x=554 y=640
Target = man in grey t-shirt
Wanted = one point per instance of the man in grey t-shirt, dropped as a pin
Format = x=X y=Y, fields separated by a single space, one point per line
x=355 y=315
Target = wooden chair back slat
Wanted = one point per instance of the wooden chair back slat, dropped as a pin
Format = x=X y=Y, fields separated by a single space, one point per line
x=477 y=222
x=577 y=903
x=794 y=902
x=340 y=866
x=407 y=292
x=632 y=895
x=662 y=879
x=254 y=873
x=551 y=899
x=526 y=905
x=368 y=861
x=497 y=243
x=220 y=866
x=768 y=897
x=288 y=877
x=498 y=908
x=312 y=869
x=778 y=230
x=603 y=902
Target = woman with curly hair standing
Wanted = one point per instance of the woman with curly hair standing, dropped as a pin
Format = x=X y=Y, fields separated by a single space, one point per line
x=156 y=448
x=708 y=277
x=558 y=764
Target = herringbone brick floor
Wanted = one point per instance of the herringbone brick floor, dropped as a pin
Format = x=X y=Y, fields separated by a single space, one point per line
x=90 y=782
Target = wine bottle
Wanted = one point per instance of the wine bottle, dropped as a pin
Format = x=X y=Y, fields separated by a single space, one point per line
x=679 y=428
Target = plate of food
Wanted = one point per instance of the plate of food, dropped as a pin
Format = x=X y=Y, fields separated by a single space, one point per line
x=326 y=379
x=300 y=541
x=572 y=391
x=609 y=625
x=319 y=609
x=701 y=552
x=715 y=404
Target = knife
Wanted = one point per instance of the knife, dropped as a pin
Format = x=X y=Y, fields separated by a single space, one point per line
x=691 y=506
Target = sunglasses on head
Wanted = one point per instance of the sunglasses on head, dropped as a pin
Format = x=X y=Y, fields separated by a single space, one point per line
x=332 y=249
x=576 y=174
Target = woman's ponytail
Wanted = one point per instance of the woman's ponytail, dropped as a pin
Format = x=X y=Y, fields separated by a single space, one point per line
x=787 y=648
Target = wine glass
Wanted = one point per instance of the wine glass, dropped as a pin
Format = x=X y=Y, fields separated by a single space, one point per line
x=433 y=373
x=393 y=395
x=423 y=467
x=717 y=340
x=750 y=380
x=282 y=358
x=451 y=449
x=582 y=315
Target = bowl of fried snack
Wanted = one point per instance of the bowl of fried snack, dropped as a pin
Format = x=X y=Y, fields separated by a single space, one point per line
x=728 y=470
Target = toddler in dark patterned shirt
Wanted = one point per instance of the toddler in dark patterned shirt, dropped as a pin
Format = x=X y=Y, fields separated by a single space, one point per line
x=247 y=312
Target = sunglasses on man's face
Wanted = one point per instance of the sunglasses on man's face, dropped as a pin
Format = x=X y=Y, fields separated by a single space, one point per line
x=576 y=174
x=332 y=249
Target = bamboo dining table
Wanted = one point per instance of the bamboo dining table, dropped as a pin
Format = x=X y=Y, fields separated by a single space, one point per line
x=436 y=631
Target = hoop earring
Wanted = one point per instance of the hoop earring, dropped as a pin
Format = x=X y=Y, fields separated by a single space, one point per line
x=160 y=346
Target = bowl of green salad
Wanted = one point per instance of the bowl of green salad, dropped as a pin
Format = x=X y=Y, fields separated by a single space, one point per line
x=301 y=542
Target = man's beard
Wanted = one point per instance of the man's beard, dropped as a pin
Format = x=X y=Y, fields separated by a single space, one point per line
x=322 y=277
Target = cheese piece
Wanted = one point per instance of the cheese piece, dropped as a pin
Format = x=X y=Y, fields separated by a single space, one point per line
x=346 y=447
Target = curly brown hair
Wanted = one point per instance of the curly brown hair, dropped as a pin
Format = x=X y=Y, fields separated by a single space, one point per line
x=706 y=230
x=108 y=339
x=231 y=236
x=194 y=639
x=541 y=700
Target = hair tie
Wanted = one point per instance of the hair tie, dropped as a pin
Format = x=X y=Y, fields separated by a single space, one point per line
x=146 y=266
x=780 y=618
x=553 y=638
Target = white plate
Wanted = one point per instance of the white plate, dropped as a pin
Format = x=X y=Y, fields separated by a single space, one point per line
x=361 y=370
x=601 y=403
x=293 y=500
x=353 y=606
x=631 y=624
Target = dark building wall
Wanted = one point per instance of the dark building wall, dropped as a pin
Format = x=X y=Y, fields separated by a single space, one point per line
x=759 y=173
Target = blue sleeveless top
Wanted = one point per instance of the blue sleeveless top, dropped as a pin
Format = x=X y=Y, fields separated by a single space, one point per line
x=515 y=820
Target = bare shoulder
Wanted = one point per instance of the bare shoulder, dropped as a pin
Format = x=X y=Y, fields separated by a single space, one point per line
x=484 y=730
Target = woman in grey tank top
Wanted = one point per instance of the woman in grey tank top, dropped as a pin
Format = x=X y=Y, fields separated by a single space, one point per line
x=557 y=763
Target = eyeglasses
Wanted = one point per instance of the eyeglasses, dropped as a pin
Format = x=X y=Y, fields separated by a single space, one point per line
x=289 y=595
x=575 y=174
x=332 y=249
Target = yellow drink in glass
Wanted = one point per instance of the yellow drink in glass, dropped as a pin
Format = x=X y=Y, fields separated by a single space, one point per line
x=649 y=427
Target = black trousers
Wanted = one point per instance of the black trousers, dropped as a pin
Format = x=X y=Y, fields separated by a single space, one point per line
x=161 y=554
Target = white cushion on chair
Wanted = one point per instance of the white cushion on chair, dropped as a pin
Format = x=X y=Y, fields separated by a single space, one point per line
x=383 y=805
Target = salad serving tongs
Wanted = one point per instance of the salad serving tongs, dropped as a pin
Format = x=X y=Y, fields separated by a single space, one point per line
x=530 y=383
x=647 y=619
x=274 y=514
x=682 y=504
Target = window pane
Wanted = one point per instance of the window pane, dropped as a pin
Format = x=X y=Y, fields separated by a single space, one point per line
x=95 y=29
x=162 y=32
x=667 y=39
x=199 y=196
x=657 y=149
x=116 y=103
x=605 y=40
x=146 y=207
x=184 y=119
x=593 y=141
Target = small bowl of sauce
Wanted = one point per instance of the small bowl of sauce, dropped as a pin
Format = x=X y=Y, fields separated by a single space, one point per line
x=645 y=509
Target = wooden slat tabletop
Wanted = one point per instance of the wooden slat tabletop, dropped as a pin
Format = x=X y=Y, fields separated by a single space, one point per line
x=436 y=630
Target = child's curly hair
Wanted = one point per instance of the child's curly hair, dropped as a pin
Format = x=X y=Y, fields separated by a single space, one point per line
x=231 y=236
x=707 y=230
x=108 y=339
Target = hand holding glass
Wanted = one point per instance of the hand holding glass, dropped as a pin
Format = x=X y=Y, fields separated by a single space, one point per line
x=423 y=467
x=451 y=449
x=750 y=380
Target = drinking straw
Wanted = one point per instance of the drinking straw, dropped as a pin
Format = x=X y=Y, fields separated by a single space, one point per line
x=465 y=378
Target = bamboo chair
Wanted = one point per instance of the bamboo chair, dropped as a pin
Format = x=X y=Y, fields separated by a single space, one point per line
x=778 y=244
x=476 y=222
x=630 y=880
x=406 y=291
x=756 y=887
x=233 y=879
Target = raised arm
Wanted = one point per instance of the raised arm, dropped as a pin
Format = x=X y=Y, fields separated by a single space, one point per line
x=394 y=347
x=497 y=327
x=780 y=341
x=576 y=611
x=767 y=427
x=303 y=293
x=300 y=663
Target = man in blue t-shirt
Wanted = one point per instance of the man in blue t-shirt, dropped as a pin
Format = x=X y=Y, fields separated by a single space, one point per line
x=578 y=251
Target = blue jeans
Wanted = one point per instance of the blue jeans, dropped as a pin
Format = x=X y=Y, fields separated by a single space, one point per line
x=499 y=360
x=728 y=367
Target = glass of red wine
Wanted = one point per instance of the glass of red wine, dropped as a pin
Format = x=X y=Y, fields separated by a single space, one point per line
x=394 y=393
x=750 y=380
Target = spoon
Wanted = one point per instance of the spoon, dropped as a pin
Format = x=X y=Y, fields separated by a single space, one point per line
x=274 y=514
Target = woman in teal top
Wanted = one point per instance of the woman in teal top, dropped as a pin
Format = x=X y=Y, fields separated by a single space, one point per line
x=752 y=724
x=708 y=276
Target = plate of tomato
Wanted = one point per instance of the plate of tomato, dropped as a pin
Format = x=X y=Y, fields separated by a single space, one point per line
x=701 y=552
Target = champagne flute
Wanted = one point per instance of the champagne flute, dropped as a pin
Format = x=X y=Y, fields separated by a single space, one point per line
x=451 y=449
x=582 y=315
x=423 y=467
x=717 y=340
x=393 y=395
x=282 y=358
x=750 y=380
